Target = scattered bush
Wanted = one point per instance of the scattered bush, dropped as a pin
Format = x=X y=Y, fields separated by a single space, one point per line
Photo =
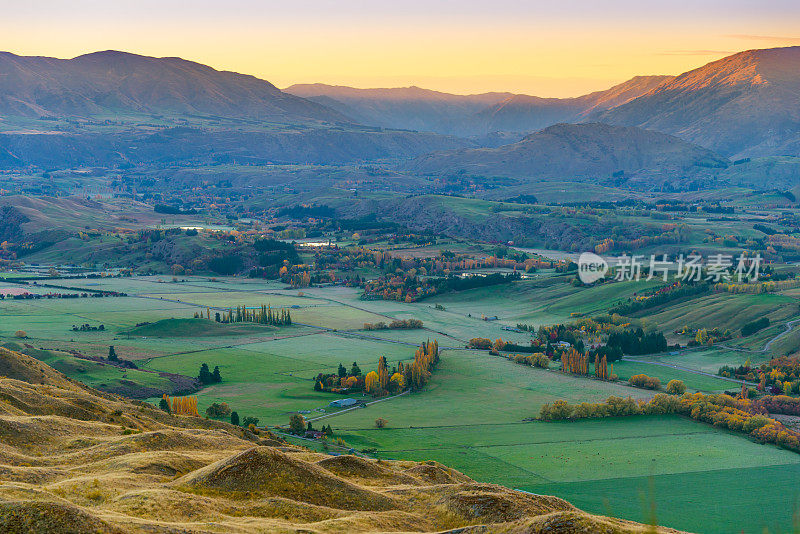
x=380 y=422
x=249 y=420
x=676 y=387
x=480 y=343
x=644 y=381
x=22 y=334
x=218 y=410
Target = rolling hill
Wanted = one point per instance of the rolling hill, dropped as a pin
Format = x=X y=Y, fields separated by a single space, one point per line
x=747 y=104
x=590 y=151
x=73 y=459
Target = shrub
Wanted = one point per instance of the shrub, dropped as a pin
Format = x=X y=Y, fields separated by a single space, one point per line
x=558 y=410
x=218 y=409
x=662 y=404
x=755 y=326
x=22 y=334
x=754 y=423
x=380 y=422
x=644 y=381
x=676 y=387
x=249 y=420
x=618 y=406
x=480 y=343
x=540 y=360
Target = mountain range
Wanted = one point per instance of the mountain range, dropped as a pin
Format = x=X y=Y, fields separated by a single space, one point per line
x=467 y=115
x=173 y=111
x=744 y=105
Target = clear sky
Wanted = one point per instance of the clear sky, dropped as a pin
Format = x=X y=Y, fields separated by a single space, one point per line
x=546 y=48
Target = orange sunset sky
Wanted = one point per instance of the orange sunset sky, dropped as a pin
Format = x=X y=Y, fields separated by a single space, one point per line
x=549 y=48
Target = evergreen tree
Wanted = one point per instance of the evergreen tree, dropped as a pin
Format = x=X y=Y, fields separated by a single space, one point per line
x=164 y=405
x=235 y=418
x=215 y=376
x=205 y=375
x=112 y=354
x=355 y=370
x=342 y=371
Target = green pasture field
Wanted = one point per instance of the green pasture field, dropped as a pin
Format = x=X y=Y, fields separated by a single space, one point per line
x=472 y=387
x=694 y=381
x=544 y=301
x=272 y=379
x=190 y=328
x=471 y=414
x=720 y=500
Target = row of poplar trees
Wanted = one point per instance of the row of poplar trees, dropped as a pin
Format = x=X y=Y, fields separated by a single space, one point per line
x=577 y=363
x=263 y=315
x=179 y=405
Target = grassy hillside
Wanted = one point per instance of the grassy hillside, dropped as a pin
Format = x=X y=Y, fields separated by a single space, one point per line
x=81 y=461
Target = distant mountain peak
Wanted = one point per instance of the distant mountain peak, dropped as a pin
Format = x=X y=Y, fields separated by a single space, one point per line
x=745 y=104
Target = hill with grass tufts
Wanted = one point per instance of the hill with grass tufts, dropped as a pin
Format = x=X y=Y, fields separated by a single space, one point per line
x=73 y=459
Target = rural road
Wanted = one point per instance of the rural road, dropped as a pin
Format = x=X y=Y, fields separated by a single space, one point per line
x=788 y=327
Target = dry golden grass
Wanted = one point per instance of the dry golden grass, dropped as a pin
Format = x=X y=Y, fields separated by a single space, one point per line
x=73 y=459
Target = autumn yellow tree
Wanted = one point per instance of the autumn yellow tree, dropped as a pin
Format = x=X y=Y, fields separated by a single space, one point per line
x=371 y=382
x=383 y=373
x=182 y=405
x=397 y=382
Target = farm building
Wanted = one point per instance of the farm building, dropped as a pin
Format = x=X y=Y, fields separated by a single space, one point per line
x=343 y=403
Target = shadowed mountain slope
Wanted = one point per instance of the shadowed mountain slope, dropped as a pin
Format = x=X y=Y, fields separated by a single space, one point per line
x=579 y=152
x=111 y=82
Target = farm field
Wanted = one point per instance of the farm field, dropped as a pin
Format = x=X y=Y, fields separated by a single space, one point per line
x=480 y=431
x=471 y=413
x=693 y=381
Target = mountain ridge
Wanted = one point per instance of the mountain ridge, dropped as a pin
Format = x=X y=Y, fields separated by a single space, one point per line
x=744 y=105
x=466 y=115
x=111 y=81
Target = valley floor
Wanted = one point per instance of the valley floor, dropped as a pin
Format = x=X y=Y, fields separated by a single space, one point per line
x=471 y=414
